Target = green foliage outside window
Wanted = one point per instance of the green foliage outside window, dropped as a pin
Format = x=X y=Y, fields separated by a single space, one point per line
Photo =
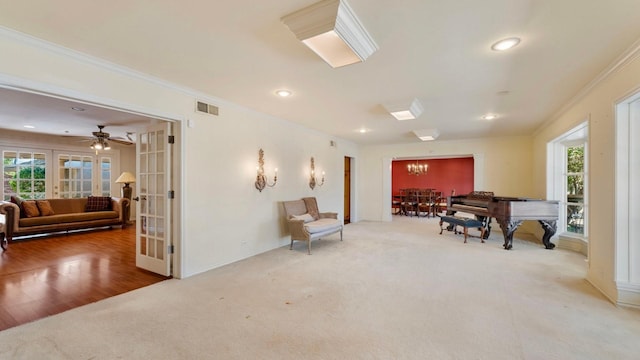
x=29 y=181
x=575 y=165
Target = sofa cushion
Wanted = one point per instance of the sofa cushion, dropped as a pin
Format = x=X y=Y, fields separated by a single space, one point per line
x=304 y=217
x=30 y=208
x=98 y=203
x=68 y=218
x=321 y=225
x=45 y=208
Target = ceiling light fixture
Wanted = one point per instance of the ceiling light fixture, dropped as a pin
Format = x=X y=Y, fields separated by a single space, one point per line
x=417 y=169
x=100 y=144
x=332 y=30
x=490 y=117
x=29 y=127
x=283 y=93
x=405 y=111
x=427 y=134
x=505 y=44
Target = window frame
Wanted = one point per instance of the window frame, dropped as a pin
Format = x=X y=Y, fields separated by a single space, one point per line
x=557 y=177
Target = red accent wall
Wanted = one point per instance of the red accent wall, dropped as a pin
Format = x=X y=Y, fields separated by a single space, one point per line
x=443 y=175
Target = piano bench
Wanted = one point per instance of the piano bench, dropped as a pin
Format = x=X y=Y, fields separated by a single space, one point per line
x=466 y=223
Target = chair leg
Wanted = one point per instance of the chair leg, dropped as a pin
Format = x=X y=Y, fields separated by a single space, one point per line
x=309 y=242
x=291 y=246
x=340 y=235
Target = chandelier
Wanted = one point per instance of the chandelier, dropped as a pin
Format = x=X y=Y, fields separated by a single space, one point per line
x=417 y=169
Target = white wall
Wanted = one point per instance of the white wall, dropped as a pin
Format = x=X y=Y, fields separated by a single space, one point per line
x=598 y=105
x=504 y=168
x=224 y=218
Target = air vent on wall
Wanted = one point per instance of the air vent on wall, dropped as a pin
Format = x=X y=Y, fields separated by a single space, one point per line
x=206 y=108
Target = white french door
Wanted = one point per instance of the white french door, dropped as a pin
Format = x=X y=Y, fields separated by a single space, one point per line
x=153 y=215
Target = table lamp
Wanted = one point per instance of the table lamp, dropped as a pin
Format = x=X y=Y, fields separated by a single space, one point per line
x=126 y=178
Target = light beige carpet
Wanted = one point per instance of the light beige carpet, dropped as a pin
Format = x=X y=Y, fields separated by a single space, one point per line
x=390 y=291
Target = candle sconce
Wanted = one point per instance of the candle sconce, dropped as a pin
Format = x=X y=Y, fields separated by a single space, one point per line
x=261 y=178
x=312 y=176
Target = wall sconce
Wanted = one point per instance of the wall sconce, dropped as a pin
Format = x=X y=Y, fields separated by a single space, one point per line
x=312 y=177
x=261 y=179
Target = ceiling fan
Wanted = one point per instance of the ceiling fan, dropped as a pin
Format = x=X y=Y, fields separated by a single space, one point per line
x=100 y=139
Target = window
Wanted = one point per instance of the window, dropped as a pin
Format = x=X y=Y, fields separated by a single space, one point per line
x=34 y=173
x=567 y=180
x=105 y=176
x=574 y=199
x=77 y=177
x=23 y=174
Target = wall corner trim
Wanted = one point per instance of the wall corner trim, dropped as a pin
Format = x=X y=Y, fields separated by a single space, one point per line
x=630 y=54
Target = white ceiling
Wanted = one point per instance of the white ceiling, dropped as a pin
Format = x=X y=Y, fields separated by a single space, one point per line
x=434 y=50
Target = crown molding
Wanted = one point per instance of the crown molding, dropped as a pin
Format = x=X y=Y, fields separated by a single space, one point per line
x=628 y=56
x=78 y=56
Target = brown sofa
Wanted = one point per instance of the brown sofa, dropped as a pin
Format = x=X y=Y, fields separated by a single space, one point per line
x=68 y=214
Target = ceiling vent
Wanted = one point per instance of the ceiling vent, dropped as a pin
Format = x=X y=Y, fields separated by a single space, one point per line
x=206 y=108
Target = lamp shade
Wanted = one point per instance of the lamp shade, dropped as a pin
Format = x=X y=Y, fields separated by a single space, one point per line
x=126 y=178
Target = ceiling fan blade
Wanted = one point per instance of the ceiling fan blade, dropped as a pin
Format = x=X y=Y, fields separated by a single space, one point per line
x=123 y=142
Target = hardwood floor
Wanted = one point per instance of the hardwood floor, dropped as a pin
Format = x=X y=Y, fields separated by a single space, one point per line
x=43 y=276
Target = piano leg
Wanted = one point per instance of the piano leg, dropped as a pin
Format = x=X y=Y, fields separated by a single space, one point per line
x=549 y=227
x=508 y=228
x=486 y=224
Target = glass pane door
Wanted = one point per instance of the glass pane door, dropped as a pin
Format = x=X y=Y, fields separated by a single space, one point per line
x=153 y=215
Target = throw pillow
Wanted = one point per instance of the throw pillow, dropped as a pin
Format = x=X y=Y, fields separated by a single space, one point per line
x=30 y=208
x=98 y=203
x=304 y=217
x=45 y=207
x=312 y=207
x=18 y=201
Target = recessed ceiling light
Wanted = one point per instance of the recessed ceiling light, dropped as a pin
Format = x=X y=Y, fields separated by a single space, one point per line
x=29 y=127
x=490 y=117
x=427 y=134
x=407 y=110
x=505 y=44
x=77 y=108
x=283 y=93
x=363 y=130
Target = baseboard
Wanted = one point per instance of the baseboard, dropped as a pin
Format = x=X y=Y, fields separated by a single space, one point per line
x=574 y=244
x=628 y=295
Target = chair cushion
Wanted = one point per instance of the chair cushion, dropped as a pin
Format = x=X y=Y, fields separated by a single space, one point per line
x=312 y=207
x=321 y=225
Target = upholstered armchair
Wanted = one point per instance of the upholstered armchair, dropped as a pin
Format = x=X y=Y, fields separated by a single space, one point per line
x=306 y=223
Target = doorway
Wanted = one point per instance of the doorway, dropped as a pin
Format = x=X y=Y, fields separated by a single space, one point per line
x=626 y=201
x=347 y=190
